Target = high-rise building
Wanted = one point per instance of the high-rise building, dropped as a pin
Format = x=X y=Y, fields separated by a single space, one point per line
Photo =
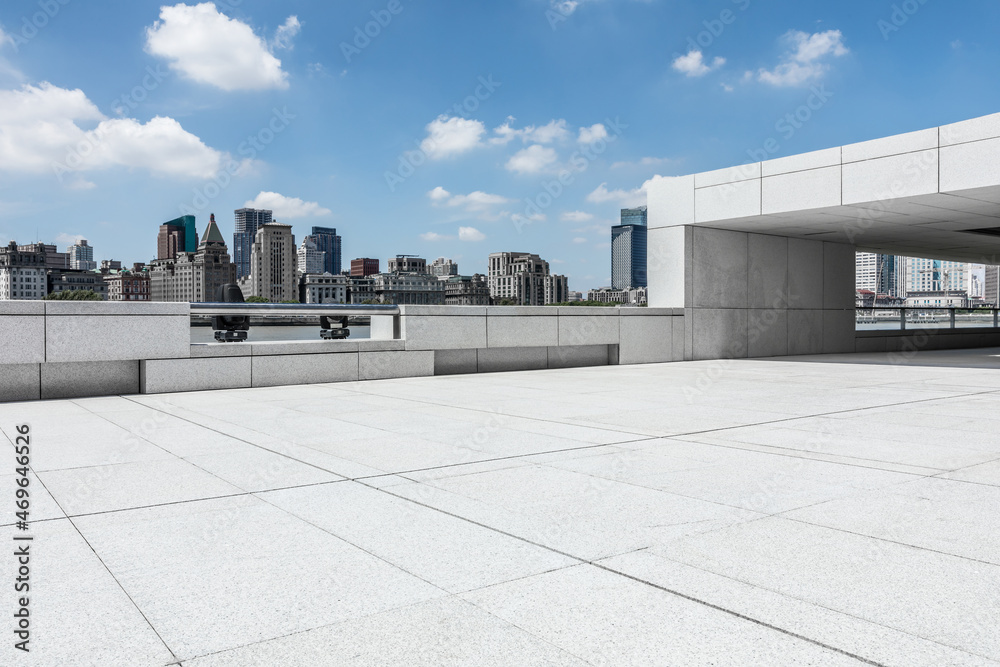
x=363 y=266
x=991 y=285
x=628 y=249
x=442 y=267
x=327 y=241
x=311 y=260
x=248 y=221
x=177 y=236
x=273 y=265
x=22 y=274
x=196 y=276
x=935 y=275
x=53 y=258
x=407 y=264
x=81 y=256
x=525 y=279
x=883 y=275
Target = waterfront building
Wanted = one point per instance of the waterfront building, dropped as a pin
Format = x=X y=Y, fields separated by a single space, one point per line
x=524 y=278
x=22 y=274
x=177 y=236
x=628 y=249
x=311 y=259
x=128 y=285
x=323 y=288
x=248 y=221
x=273 y=265
x=68 y=280
x=53 y=258
x=81 y=256
x=409 y=288
x=880 y=273
x=466 y=290
x=364 y=266
x=636 y=296
x=327 y=241
x=194 y=277
x=991 y=285
x=443 y=268
x=361 y=289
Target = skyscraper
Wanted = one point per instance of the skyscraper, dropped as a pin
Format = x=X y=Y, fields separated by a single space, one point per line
x=311 y=260
x=273 y=265
x=524 y=278
x=991 y=285
x=443 y=268
x=81 y=256
x=177 y=236
x=328 y=242
x=193 y=276
x=881 y=274
x=248 y=221
x=628 y=249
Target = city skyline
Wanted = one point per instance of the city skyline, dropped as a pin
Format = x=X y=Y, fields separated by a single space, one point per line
x=404 y=147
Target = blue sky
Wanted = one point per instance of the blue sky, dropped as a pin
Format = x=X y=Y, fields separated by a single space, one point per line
x=445 y=133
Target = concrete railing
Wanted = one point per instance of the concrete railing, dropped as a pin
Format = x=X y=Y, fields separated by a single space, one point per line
x=74 y=349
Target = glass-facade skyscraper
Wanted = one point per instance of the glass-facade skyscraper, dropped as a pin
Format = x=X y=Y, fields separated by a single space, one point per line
x=327 y=241
x=628 y=249
x=248 y=221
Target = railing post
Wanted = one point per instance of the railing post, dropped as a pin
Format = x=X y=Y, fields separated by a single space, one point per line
x=952 y=318
x=996 y=311
x=902 y=318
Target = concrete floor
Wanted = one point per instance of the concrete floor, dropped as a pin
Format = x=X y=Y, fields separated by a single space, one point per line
x=756 y=512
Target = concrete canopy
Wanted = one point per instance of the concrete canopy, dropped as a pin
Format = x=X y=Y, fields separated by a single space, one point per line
x=929 y=193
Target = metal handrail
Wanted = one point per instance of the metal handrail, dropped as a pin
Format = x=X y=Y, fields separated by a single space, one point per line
x=951 y=312
x=291 y=309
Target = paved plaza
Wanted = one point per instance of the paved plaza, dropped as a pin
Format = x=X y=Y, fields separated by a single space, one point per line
x=797 y=511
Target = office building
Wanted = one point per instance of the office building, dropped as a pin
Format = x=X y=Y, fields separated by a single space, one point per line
x=53 y=258
x=407 y=264
x=177 y=236
x=935 y=275
x=22 y=274
x=991 y=285
x=327 y=241
x=466 y=290
x=108 y=265
x=323 y=288
x=311 y=260
x=636 y=296
x=127 y=285
x=248 y=221
x=364 y=266
x=443 y=268
x=194 y=277
x=69 y=280
x=361 y=289
x=409 y=288
x=81 y=256
x=524 y=279
x=881 y=274
x=273 y=265
x=628 y=249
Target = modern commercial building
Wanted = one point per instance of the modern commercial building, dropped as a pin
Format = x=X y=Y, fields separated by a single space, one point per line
x=311 y=260
x=273 y=265
x=69 y=280
x=991 y=285
x=194 y=277
x=407 y=264
x=22 y=274
x=364 y=266
x=409 y=288
x=524 y=279
x=81 y=256
x=935 y=275
x=128 y=286
x=466 y=290
x=628 y=249
x=442 y=267
x=881 y=274
x=177 y=236
x=53 y=258
x=323 y=288
x=248 y=221
x=327 y=241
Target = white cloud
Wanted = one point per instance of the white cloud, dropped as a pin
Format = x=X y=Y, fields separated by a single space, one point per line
x=287 y=207
x=434 y=236
x=804 y=61
x=589 y=135
x=477 y=202
x=554 y=130
x=40 y=132
x=532 y=160
x=4 y=37
x=69 y=239
x=693 y=64
x=209 y=47
x=438 y=194
x=644 y=162
x=565 y=7
x=636 y=197
x=286 y=33
x=447 y=137
x=579 y=239
x=470 y=234
x=576 y=216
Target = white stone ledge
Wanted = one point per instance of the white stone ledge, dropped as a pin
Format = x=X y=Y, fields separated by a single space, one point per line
x=116 y=308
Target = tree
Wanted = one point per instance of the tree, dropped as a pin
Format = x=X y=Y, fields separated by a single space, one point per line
x=257 y=299
x=74 y=295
